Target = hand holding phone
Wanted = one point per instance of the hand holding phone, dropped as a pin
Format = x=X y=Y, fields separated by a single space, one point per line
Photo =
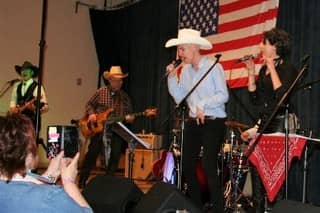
x=64 y=138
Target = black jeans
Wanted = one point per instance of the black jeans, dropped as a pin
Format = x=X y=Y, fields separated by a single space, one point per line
x=95 y=148
x=209 y=135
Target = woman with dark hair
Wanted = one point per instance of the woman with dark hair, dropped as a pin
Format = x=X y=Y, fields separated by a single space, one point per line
x=20 y=192
x=275 y=77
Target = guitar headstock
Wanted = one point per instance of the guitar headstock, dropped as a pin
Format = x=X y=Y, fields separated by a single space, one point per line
x=150 y=112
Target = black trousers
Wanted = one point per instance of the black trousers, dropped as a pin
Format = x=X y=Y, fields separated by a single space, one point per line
x=96 y=147
x=209 y=135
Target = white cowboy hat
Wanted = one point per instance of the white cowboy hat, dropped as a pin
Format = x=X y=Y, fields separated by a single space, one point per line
x=189 y=36
x=115 y=72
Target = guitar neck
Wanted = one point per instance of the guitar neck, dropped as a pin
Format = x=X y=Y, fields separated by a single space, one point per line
x=122 y=118
x=137 y=114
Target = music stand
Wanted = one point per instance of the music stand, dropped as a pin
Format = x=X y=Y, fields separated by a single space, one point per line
x=132 y=141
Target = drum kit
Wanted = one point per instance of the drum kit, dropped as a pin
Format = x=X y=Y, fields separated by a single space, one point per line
x=234 y=170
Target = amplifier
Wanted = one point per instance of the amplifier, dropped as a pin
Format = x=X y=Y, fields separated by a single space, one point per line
x=143 y=161
x=154 y=140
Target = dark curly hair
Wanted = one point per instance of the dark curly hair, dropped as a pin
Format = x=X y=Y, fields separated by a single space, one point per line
x=17 y=140
x=280 y=39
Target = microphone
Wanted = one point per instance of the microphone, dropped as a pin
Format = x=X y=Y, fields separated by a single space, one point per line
x=13 y=81
x=247 y=57
x=177 y=62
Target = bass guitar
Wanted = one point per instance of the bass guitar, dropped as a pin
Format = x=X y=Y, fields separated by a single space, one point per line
x=88 y=129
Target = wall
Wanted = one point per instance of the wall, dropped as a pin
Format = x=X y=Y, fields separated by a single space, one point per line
x=69 y=56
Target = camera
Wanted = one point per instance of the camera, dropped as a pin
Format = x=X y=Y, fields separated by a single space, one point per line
x=62 y=138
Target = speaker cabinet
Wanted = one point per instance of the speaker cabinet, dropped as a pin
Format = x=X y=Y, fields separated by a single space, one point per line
x=294 y=207
x=142 y=163
x=155 y=141
x=112 y=194
x=165 y=198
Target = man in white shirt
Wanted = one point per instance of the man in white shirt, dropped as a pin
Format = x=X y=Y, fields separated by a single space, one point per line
x=205 y=126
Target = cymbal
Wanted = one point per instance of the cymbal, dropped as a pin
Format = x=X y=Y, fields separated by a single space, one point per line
x=234 y=124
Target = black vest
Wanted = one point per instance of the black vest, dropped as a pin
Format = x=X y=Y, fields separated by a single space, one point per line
x=22 y=99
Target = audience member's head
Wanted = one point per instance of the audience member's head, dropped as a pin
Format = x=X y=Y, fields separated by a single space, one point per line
x=17 y=145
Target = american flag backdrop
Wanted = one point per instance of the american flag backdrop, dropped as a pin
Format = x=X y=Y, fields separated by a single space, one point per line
x=234 y=27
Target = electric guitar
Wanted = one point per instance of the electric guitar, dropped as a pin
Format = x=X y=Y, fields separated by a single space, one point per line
x=88 y=129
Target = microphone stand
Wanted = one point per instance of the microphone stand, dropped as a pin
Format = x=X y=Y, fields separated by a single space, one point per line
x=307 y=87
x=182 y=107
x=41 y=54
x=5 y=87
x=251 y=146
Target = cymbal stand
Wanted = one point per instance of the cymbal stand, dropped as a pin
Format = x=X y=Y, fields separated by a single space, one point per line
x=183 y=109
x=305 y=170
x=233 y=184
x=175 y=149
x=237 y=170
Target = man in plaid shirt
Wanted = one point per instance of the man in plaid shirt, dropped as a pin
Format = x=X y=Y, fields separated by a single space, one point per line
x=106 y=97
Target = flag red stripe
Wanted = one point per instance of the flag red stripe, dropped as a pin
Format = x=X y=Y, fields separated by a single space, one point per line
x=238 y=5
x=236 y=83
x=234 y=44
x=249 y=21
x=239 y=82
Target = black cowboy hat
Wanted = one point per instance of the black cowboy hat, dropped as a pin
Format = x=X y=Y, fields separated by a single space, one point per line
x=27 y=65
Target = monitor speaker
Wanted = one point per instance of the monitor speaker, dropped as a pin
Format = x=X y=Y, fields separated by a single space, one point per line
x=294 y=207
x=112 y=194
x=165 y=198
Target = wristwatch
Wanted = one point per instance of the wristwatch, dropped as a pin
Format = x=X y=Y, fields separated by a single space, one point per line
x=47 y=178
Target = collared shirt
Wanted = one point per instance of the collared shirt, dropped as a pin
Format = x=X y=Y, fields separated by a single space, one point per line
x=105 y=98
x=24 y=88
x=210 y=95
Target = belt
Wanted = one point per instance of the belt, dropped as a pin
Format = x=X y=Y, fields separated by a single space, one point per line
x=210 y=117
x=207 y=117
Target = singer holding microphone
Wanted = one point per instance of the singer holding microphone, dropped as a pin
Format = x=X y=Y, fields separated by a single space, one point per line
x=275 y=77
x=206 y=104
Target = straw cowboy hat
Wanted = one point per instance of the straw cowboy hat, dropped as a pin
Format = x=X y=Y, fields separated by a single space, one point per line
x=115 y=72
x=27 y=65
x=189 y=36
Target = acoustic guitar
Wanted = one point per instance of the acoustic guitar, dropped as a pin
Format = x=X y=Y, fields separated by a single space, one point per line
x=26 y=105
x=89 y=129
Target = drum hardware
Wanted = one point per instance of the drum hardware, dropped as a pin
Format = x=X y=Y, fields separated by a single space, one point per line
x=236 y=125
x=171 y=161
x=235 y=164
x=175 y=146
